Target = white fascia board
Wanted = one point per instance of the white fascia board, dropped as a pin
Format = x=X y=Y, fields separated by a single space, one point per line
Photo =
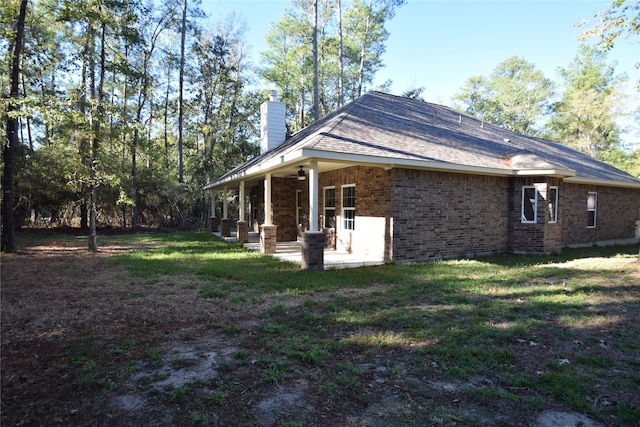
x=432 y=165
x=284 y=160
x=408 y=163
x=561 y=173
x=605 y=182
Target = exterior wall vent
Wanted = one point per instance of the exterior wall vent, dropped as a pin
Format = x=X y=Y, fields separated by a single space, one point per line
x=272 y=123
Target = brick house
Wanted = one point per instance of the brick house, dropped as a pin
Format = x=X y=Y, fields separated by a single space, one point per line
x=400 y=179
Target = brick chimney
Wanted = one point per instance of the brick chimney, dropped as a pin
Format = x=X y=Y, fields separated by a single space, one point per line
x=272 y=123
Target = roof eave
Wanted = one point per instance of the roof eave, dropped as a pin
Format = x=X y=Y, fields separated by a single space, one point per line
x=554 y=172
x=286 y=159
x=262 y=168
x=600 y=181
x=435 y=165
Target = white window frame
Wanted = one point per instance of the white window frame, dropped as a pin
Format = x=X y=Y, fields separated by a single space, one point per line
x=553 y=206
x=535 y=205
x=593 y=209
x=329 y=208
x=348 y=223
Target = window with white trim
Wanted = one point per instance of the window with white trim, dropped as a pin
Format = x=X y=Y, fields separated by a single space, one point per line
x=329 y=207
x=592 y=209
x=529 y=205
x=349 y=207
x=553 y=205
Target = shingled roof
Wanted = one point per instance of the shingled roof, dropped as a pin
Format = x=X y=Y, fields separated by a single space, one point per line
x=403 y=132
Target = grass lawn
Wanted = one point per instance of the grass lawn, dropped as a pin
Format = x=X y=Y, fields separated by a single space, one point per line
x=204 y=332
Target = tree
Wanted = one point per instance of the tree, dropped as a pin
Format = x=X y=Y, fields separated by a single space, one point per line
x=585 y=117
x=97 y=109
x=349 y=53
x=620 y=19
x=183 y=38
x=316 y=95
x=289 y=60
x=365 y=21
x=340 y=56
x=515 y=96
x=11 y=143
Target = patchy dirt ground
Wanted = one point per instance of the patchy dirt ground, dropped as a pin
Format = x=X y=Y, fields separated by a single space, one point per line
x=83 y=343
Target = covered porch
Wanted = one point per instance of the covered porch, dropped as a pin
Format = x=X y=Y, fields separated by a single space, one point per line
x=292 y=252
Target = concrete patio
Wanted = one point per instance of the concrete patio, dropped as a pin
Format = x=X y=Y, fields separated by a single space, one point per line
x=292 y=252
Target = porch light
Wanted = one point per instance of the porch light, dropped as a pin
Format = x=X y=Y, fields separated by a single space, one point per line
x=301 y=174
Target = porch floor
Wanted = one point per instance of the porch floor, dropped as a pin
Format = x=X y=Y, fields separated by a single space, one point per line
x=292 y=252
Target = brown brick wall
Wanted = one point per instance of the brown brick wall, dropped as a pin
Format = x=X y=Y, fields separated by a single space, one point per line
x=283 y=199
x=406 y=214
x=542 y=237
x=373 y=226
x=617 y=213
x=440 y=215
x=256 y=207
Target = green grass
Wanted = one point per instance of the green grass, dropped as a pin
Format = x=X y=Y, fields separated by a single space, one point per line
x=504 y=322
x=468 y=317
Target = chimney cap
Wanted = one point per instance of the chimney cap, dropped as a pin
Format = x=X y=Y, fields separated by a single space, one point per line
x=273 y=95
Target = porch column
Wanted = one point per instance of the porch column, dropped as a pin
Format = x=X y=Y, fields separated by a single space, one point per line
x=268 y=230
x=313 y=240
x=313 y=196
x=267 y=200
x=213 y=219
x=225 y=227
x=242 y=228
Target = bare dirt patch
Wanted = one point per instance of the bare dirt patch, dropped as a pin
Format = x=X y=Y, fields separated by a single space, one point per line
x=84 y=343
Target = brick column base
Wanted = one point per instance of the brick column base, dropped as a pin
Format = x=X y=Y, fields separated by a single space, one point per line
x=242 y=231
x=214 y=223
x=312 y=251
x=268 y=239
x=225 y=227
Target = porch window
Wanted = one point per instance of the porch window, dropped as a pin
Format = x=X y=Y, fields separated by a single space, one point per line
x=592 y=209
x=553 y=205
x=349 y=206
x=529 y=205
x=329 y=207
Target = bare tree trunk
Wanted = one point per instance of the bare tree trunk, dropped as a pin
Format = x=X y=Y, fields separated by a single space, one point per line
x=11 y=142
x=183 y=36
x=29 y=136
x=340 y=58
x=95 y=145
x=83 y=149
x=92 y=128
x=362 y=58
x=316 y=109
x=166 y=114
x=134 y=181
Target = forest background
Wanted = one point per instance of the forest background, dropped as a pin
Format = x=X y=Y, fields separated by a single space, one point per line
x=118 y=112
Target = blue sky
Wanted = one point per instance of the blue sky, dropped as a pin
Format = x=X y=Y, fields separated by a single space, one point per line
x=438 y=45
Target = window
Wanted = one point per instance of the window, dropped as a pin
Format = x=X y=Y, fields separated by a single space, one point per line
x=592 y=208
x=349 y=207
x=529 y=205
x=329 y=207
x=553 y=205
